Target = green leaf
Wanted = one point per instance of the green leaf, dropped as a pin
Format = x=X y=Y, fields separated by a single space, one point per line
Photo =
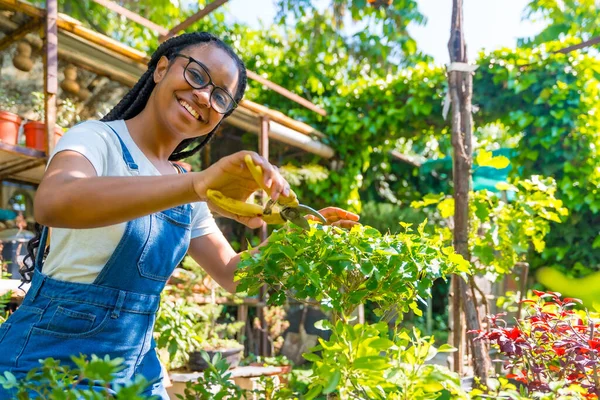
x=333 y=381
x=324 y=325
x=485 y=159
x=313 y=392
x=446 y=207
x=446 y=348
x=311 y=357
x=503 y=186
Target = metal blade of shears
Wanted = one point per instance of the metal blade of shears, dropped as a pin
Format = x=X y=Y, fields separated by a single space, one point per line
x=296 y=215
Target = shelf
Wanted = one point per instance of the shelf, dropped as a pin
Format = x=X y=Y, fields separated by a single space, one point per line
x=21 y=163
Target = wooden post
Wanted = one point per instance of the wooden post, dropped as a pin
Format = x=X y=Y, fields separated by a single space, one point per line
x=460 y=86
x=263 y=150
x=50 y=71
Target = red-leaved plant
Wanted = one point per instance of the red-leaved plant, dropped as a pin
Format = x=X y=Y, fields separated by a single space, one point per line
x=553 y=346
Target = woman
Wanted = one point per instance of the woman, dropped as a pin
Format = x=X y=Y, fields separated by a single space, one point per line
x=123 y=215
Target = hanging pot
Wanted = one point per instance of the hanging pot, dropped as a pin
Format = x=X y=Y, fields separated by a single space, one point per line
x=35 y=135
x=22 y=59
x=69 y=84
x=9 y=127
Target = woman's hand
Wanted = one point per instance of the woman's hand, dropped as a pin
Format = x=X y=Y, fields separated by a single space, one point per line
x=338 y=217
x=231 y=177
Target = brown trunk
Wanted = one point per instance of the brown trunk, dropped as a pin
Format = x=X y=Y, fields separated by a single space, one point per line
x=460 y=87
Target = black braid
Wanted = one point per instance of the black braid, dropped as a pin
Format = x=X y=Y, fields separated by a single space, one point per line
x=134 y=102
x=27 y=269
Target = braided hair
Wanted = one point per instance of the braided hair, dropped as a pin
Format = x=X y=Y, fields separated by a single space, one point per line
x=134 y=102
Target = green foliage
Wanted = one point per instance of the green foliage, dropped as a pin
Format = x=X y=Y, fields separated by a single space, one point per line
x=343 y=269
x=8 y=98
x=215 y=382
x=383 y=34
x=564 y=18
x=311 y=173
x=4 y=300
x=414 y=377
x=502 y=232
x=89 y=379
x=502 y=388
x=176 y=330
x=361 y=362
x=550 y=99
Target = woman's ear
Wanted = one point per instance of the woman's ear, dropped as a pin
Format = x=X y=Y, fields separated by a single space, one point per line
x=161 y=69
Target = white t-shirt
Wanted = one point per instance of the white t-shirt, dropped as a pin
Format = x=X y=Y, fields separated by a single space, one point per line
x=78 y=255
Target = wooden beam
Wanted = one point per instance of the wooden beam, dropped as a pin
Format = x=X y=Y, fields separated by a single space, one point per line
x=50 y=71
x=280 y=117
x=579 y=46
x=133 y=16
x=286 y=93
x=26 y=8
x=20 y=33
x=191 y=20
x=76 y=28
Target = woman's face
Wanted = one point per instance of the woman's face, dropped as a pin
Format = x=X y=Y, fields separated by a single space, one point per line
x=183 y=110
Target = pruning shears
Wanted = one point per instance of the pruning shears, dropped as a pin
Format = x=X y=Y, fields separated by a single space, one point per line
x=274 y=212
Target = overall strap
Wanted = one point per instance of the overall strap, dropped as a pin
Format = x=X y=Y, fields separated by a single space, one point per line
x=126 y=154
x=39 y=256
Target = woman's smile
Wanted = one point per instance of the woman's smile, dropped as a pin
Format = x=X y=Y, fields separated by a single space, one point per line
x=190 y=110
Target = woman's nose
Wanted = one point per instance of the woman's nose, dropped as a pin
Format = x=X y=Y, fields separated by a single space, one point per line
x=203 y=95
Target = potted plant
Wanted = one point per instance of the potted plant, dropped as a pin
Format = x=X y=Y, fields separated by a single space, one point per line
x=217 y=337
x=35 y=131
x=10 y=121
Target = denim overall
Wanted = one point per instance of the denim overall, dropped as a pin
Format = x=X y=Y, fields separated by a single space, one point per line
x=112 y=316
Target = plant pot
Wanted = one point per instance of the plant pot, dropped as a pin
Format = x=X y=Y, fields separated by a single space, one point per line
x=35 y=135
x=9 y=127
x=232 y=356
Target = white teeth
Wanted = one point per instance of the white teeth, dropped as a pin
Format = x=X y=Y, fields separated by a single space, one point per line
x=189 y=108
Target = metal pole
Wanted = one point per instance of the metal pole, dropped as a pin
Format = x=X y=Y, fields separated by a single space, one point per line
x=50 y=71
x=263 y=150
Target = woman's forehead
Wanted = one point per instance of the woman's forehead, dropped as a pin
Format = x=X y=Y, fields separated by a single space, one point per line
x=222 y=67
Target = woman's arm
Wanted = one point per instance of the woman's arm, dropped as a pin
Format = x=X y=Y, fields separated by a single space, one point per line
x=71 y=195
x=216 y=256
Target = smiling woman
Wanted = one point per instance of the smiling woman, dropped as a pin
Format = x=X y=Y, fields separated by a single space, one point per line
x=123 y=215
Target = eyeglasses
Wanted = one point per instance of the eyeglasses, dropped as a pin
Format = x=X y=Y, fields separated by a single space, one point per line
x=197 y=76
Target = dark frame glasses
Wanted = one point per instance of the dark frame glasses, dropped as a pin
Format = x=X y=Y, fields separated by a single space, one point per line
x=196 y=75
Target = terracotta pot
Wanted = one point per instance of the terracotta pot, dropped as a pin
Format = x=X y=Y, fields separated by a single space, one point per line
x=9 y=127
x=35 y=135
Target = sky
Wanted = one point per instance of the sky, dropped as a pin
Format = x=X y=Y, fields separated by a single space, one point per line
x=489 y=24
